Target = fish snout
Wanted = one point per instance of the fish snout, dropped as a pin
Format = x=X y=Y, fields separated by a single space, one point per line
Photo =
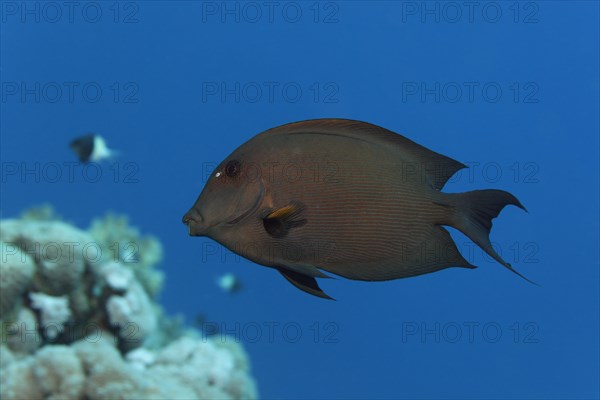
x=194 y=221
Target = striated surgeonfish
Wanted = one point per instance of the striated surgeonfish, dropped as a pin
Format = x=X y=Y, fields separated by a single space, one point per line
x=345 y=197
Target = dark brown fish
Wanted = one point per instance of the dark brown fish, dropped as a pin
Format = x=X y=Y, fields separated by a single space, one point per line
x=342 y=196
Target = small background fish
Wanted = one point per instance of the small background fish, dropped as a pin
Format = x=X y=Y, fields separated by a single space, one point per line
x=91 y=147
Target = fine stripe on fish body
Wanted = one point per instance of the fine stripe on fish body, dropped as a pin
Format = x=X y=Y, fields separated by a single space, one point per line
x=345 y=197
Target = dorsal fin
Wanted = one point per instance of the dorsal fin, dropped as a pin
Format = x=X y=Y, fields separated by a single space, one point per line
x=437 y=167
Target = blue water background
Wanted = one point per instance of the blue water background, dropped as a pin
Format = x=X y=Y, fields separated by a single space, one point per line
x=483 y=333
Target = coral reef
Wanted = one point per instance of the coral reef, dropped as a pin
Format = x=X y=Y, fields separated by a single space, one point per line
x=54 y=312
x=79 y=321
x=94 y=369
x=16 y=274
x=121 y=242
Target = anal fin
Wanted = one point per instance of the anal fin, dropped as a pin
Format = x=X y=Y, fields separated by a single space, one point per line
x=303 y=282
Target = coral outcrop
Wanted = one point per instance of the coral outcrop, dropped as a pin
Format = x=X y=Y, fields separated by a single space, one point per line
x=79 y=320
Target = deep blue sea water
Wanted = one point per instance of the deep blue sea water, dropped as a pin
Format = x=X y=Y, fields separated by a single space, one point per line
x=509 y=88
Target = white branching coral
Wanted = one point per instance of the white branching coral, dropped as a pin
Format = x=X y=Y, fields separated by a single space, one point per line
x=124 y=243
x=79 y=325
x=59 y=250
x=16 y=274
x=54 y=312
x=117 y=276
x=132 y=314
x=140 y=358
x=217 y=363
x=57 y=370
x=58 y=271
x=188 y=369
x=21 y=332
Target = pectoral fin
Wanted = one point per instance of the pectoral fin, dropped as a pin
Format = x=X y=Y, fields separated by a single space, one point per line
x=305 y=283
x=277 y=223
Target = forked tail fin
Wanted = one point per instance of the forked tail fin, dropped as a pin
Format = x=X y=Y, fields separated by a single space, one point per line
x=474 y=213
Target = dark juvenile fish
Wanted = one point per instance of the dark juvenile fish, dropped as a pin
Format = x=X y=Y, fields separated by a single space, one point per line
x=342 y=196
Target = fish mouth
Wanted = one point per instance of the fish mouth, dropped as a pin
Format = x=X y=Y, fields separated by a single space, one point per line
x=251 y=209
x=193 y=219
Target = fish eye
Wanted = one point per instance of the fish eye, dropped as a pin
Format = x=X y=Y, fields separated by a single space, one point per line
x=232 y=168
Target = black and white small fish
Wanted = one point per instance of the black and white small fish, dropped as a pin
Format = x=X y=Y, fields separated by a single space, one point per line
x=91 y=148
